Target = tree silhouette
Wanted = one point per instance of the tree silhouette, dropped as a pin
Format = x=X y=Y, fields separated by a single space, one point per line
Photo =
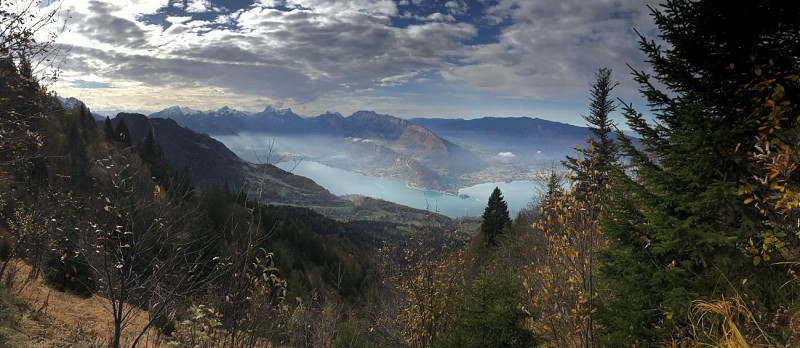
x=122 y=134
x=495 y=218
x=108 y=129
x=601 y=153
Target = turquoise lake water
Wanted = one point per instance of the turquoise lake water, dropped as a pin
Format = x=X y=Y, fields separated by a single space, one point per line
x=518 y=194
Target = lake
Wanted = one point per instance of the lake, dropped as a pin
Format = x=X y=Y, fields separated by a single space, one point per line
x=518 y=194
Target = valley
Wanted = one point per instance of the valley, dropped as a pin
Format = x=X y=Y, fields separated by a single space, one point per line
x=433 y=154
x=207 y=162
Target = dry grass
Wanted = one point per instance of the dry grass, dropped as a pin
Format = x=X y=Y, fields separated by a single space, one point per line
x=49 y=318
x=730 y=323
x=718 y=320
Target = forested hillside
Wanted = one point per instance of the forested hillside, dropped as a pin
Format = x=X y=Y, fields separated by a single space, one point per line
x=686 y=239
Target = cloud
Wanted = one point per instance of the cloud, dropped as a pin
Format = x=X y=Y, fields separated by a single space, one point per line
x=198 y=6
x=295 y=55
x=506 y=155
x=310 y=51
x=90 y=84
x=457 y=7
x=439 y=17
x=552 y=51
x=178 y=19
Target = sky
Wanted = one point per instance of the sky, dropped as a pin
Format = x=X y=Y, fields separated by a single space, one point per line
x=407 y=58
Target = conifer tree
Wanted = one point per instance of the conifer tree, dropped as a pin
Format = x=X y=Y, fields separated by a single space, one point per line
x=122 y=134
x=108 y=129
x=569 y=222
x=490 y=315
x=149 y=149
x=601 y=153
x=495 y=218
x=679 y=228
x=162 y=170
x=88 y=125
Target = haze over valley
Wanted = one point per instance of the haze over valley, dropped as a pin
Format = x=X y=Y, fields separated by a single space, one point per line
x=321 y=169
x=468 y=153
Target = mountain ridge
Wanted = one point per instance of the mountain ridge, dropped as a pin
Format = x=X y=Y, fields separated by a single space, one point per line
x=211 y=162
x=394 y=147
x=432 y=153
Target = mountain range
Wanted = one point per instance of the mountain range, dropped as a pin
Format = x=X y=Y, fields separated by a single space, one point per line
x=210 y=162
x=431 y=153
x=540 y=142
x=365 y=142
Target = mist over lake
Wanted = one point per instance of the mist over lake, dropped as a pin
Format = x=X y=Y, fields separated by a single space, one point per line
x=313 y=150
x=470 y=202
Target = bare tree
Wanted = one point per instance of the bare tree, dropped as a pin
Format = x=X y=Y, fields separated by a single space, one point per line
x=138 y=250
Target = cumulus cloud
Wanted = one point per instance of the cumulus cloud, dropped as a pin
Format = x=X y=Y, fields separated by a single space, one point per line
x=308 y=51
x=550 y=52
x=506 y=155
x=440 y=17
x=317 y=47
x=178 y=19
x=457 y=6
x=198 y=6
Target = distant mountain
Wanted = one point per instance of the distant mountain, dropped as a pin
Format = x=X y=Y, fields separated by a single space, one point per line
x=70 y=103
x=210 y=161
x=512 y=144
x=222 y=121
x=528 y=131
x=367 y=142
x=517 y=127
x=439 y=154
x=524 y=137
x=230 y=121
x=361 y=124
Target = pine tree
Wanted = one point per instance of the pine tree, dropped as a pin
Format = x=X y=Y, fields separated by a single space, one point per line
x=569 y=222
x=122 y=134
x=108 y=130
x=162 y=170
x=184 y=185
x=88 y=125
x=490 y=315
x=601 y=153
x=679 y=228
x=495 y=218
x=149 y=149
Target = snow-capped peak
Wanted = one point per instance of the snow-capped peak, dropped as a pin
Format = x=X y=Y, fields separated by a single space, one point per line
x=226 y=111
x=178 y=110
x=272 y=110
x=70 y=103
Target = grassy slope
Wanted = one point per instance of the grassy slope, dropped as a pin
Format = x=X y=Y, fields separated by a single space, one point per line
x=34 y=315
